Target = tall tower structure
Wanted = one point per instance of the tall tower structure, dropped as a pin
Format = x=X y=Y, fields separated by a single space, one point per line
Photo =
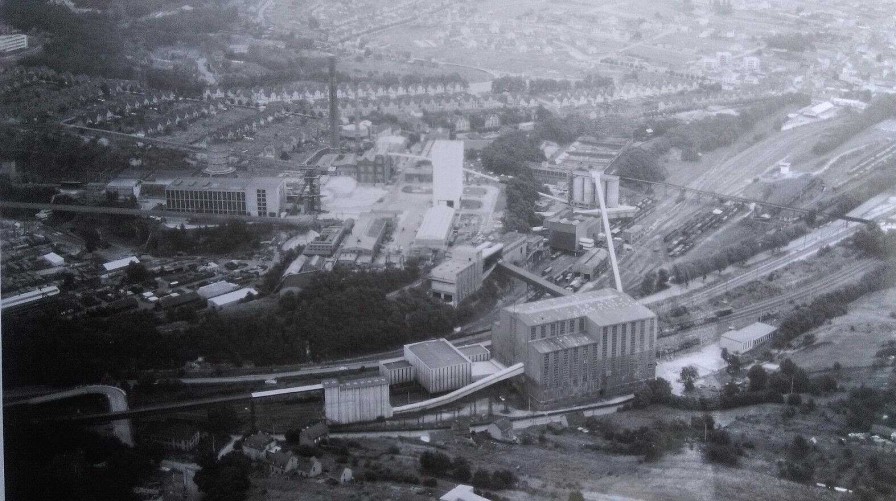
x=334 y=105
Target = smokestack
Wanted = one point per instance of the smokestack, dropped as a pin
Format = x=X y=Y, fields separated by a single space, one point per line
x=334 y=105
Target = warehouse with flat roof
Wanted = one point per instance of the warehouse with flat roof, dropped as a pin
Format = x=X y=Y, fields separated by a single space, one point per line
x=439 y=365
x=256 y=196
x=435 y=230
x=744 y=340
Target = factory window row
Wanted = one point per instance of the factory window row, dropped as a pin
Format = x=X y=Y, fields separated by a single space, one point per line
x=559 y=328
x=573 y=364
x=210 y=202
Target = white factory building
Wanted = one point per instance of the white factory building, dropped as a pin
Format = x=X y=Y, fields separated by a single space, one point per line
x=435 y=229
x=356 y=400
x=216 y=289
x=260 y=196
x=447 y=173
x=231 y=298
x=744 y=340
x=440 y=367
x=458 y=277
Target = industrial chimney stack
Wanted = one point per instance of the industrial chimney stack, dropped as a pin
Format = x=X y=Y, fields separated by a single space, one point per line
x=334 y=106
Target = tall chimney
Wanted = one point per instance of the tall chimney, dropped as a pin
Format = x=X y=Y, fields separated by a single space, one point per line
x=334 y=106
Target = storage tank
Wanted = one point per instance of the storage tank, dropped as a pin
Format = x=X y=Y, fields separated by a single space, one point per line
x=578 y=184
x=612 y=191
x=589 y=191
x=586 y=243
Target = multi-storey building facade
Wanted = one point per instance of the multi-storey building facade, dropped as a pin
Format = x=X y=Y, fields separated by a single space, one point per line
x=578 y=348
x=248 y=197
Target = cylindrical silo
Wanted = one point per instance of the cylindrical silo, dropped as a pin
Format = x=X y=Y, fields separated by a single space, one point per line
x=578 y=183
x=589 y=191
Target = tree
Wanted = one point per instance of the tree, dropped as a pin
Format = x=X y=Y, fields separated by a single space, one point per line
x=460 y=469
x=689 y=375
x=576 y=496
x=226 y=479
x=758 y=378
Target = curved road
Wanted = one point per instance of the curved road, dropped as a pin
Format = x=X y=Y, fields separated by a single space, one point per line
x=118 y=402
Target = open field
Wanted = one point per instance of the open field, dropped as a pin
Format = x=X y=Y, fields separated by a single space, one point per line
x=853 y=338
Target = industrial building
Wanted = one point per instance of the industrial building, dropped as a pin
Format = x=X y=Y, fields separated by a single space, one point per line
x=367 y=236
x=231 y=298
x=435 y=229
x=591 y=264
x=447 y=173
x=458 y=277
x=476 y=353
x=583 y=189
x=397 y=371
x=356 y=400
x=744 y=340
x=566 y=229
x=216 y=289
x=440 y=367
x=262 y=197
x=578 y=348
x=15 y=41
x=329 y=239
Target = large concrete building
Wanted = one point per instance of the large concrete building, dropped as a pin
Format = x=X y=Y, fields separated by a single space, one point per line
x=329 y=239
x=578 y=348
x=566 y=229
x=439 y=366
x=458 y=277
x=356 y=400
x=447 y=173
x=245 y=196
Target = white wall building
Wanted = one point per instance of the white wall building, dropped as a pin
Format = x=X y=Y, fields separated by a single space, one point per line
x=357 y=400
x=440 y=366
x=447 y=173
x=262 y=196
x=744 y=340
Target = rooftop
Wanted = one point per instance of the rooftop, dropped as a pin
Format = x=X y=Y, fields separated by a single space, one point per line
x=602 y=306
x=436 y=223
x=437 y=353
x=473 y=349
x=448 y=270
x=356 y=383
x=226 y=184
x=398 y=364
x=555 y=343
x=232 y=297
x=120 y=263
x=750 y=333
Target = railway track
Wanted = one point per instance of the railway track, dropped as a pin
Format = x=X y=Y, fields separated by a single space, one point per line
x=846 y=275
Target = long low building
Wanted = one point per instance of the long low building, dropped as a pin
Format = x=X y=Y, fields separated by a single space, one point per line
x=259 y=196
x=744 y=340
x=435 y=230
x=439 y=365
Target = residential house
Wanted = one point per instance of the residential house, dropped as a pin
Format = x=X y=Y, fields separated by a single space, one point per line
x=314 y=434
x=346 y=476
x=309 y=467
x=256 y=446
x=282 y=462
x=177 y=436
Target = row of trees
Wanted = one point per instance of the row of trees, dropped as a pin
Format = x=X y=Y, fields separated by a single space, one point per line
x=338 y=314
x=832 y=304
x=686 y=271
x=722 y=130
